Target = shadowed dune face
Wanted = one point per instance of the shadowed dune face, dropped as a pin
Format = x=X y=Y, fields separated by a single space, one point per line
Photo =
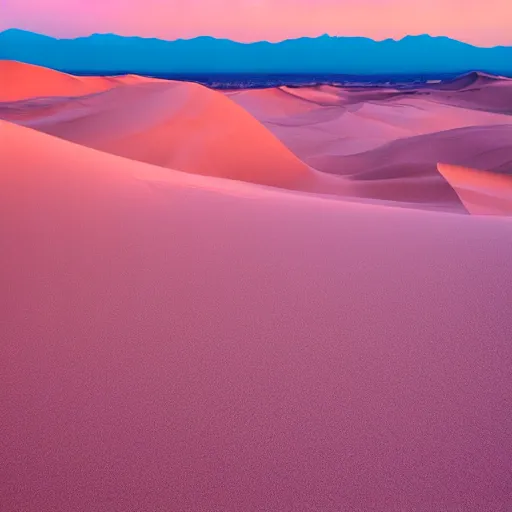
x=238 y=302
x=369 y=119
x=484 y=147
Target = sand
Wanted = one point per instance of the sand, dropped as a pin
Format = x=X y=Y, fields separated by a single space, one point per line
x=19 y=81
x=180 y=332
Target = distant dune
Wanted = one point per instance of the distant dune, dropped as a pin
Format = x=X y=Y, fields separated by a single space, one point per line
x=473 y=79
x=283 y=299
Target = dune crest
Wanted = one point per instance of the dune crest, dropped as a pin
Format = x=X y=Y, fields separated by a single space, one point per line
x=20 y=81
x=473 y=79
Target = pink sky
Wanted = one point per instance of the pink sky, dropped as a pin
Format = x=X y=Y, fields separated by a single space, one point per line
x=484 y=23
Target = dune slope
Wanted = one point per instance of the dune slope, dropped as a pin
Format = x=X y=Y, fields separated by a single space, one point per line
x=362 y=120
x=19 y=81
x=407 y=168
x=482 y=192
x=180 y=342
x=172 y=124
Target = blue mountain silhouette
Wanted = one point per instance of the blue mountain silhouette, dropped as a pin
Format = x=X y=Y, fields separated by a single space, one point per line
x=324 y=54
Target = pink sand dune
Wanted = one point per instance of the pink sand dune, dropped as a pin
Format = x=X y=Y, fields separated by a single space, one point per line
x=180 y=342
x=482 y=192
x=358 y=124
x=477 y=91
x=485 y=147
x=407 y=168
x=370 y=135
x=191 y=128
x=20 y=81
x=473 y=80
x=273 y=102
x=328 y=95
x=244 y=301
x=178 y=125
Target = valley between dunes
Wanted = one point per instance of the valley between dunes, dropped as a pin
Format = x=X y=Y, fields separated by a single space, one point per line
x=287 y=299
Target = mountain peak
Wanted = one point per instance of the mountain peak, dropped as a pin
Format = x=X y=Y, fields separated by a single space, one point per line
x=18 y=32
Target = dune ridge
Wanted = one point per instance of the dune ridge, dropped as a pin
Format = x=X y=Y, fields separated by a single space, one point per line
x=19 y=81
x=470 y=80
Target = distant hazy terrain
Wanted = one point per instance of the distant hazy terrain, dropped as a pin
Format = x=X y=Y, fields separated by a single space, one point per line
x=244 y=80
x=322 y=55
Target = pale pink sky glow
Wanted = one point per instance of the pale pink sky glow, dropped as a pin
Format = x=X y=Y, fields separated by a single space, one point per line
x=475 y=21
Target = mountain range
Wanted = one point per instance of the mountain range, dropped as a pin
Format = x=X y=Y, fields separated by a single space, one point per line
x=325 y=54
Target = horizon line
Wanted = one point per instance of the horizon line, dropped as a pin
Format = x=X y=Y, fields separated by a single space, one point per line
x=446 y=77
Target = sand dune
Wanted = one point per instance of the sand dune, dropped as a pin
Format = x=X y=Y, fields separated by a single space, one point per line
x=390 y=148
x=273 y=102
x=482 y=192
x=183 y=342
x=364 y=121
x=484 y=147
x=19 y=81
x=406 y=169
x=477 y=91
x=474 y=79
x=172 y=124
x=254 y=333
x=194 y=129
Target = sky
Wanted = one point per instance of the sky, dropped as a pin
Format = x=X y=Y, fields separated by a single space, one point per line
x=479 y=22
